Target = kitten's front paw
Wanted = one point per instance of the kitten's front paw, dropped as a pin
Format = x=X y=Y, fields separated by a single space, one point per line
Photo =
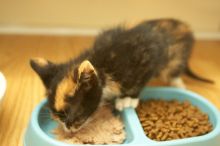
x=125 y=102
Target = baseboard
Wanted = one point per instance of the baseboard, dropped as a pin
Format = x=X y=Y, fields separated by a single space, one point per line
x=83 y=32
x=48 y=31
x=207 y=35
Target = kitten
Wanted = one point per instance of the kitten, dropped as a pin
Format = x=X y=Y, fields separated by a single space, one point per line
x=117 y=67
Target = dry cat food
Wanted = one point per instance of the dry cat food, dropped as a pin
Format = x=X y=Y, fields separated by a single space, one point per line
x=105 y=128
x=166 y=120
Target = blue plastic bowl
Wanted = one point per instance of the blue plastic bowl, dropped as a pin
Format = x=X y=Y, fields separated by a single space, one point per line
x=39 y=130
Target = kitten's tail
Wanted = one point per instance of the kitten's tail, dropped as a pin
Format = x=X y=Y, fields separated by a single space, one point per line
x=191 y=74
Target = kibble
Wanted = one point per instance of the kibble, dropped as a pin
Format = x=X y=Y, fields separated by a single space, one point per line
x=167 y=120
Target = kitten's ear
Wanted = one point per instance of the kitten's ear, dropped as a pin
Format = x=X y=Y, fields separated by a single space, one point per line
x=86 y=72
x=44 y=68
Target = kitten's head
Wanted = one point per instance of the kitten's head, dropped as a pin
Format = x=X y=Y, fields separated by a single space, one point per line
x=73 y=91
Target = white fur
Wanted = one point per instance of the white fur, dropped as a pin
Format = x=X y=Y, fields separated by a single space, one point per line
x=107 y=93
x=177 y=82
x=126 y=102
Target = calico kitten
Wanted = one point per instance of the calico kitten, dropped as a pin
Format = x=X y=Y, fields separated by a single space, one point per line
x=116 y=67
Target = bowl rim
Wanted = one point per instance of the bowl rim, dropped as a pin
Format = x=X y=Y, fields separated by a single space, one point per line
x=216 y=131
x=36 y=127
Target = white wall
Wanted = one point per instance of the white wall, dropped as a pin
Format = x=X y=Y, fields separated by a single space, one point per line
x=202 y=15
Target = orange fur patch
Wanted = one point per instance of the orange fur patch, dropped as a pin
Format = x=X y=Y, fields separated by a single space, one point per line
x=165 y=24
x=181 y=31
x=183 y=28
x=65 y=87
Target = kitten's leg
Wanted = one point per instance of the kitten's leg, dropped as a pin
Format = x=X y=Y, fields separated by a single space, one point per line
x=172 y=77
x=125 y=102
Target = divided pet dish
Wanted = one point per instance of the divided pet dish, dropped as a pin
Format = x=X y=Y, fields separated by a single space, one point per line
x=39 y=130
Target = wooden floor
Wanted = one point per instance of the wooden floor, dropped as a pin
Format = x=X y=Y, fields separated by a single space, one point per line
x=25 y=90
